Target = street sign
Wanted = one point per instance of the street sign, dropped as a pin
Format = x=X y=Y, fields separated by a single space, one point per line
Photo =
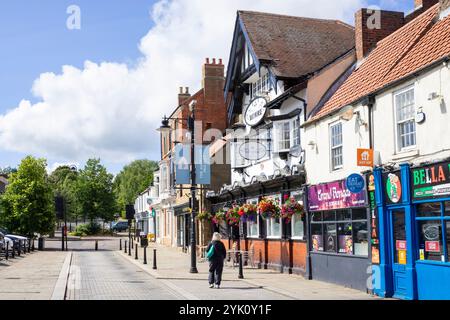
x=365 y=157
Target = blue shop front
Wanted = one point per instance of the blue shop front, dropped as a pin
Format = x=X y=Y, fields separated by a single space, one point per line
x=412 y=223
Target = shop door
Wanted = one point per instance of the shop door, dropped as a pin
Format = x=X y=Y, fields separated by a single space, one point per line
x=399 y=253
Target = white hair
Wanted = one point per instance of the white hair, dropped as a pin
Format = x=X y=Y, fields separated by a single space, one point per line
x=216 y=236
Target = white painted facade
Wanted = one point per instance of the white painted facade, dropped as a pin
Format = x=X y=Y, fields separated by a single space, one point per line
x=431 y=96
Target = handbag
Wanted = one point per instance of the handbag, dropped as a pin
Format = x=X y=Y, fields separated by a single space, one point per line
x=210 y=253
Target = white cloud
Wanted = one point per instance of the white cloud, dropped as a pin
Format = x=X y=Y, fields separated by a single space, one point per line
x=111 y=110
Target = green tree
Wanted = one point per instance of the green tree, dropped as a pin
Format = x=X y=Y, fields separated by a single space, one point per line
x=64 y=183
x=132 y=180
x=27 y=207
x=95 y=192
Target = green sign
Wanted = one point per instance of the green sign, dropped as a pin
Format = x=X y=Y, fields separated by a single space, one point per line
x=431 y=182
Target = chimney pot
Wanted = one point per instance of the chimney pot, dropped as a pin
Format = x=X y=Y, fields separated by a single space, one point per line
x=214 y=60
x=181 y=90
x=220 y=61
x=187 y=90
x=207 y=60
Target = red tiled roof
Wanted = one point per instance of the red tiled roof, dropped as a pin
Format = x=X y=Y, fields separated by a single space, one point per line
x=411 y=48
x=296 y=46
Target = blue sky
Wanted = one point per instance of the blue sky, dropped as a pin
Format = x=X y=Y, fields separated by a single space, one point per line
x=35 y=40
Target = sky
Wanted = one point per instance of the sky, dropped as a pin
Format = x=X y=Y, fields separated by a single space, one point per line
x=101 y=90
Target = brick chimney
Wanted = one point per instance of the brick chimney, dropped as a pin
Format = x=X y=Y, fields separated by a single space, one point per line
x=444 y=8
x=213 y=82
x=372 y=26
x=420 y=6
x=183 y=96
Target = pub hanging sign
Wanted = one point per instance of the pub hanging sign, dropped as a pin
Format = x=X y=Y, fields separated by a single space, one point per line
x=431 y=182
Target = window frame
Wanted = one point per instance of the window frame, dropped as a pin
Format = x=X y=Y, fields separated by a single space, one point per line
x=294 y=217
x=258 y=233
x=397 y=123
x=275 y=197
x=336 y=147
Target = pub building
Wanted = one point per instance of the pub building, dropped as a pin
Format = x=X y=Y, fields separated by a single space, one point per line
x=279 y=69
x=413 y=205
x=339 y=233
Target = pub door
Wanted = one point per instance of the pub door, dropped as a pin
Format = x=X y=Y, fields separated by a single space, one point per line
x=401 y=255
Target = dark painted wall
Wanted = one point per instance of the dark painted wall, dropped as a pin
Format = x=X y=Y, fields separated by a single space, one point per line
x=350 y=272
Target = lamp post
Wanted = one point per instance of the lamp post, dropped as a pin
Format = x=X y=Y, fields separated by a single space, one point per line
x=193 y=201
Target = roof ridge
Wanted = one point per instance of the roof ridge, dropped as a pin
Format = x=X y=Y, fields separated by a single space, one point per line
x=295 y=17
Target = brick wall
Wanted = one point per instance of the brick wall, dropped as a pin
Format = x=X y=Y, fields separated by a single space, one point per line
x=372 y=27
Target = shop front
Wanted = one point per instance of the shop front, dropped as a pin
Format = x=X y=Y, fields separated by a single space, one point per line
x=339 y=234
x=414 y=224
x=183 y=218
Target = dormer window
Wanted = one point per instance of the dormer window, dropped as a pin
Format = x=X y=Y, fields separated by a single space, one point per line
x=261 y=87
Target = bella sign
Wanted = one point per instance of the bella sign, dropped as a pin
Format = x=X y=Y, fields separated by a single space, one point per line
x=432 y=181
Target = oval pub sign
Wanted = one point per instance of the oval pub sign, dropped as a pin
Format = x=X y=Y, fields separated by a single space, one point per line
x=255 y=112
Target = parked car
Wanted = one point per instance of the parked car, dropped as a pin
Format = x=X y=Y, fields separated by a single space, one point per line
x=120 y=226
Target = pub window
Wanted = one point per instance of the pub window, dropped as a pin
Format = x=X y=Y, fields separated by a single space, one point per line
x=343 y=232
x=253 y=226
x=273 y=228
x=405 y=118
x=336 y=144
x=296 y=132
x=297 y=223
x=283 y=134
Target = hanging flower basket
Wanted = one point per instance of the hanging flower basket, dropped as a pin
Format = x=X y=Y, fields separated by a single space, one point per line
x=219 y=217
x=290 y=208
x=268 y=208
x=204 y=216
x=250 y=212
x=234 y=215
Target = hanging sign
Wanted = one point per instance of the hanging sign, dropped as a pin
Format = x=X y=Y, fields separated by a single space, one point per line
x=431 y=182
x=255 y=112
x=355 y=183
x=365 y=157
x=252 y=150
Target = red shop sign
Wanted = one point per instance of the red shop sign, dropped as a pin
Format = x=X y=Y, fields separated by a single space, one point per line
x=401 y=245
x=432 y=246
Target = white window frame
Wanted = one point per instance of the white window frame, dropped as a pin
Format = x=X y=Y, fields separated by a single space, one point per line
x=261 y=86
x=237 y=155
x=296 y=132
x=294 y=218
x=250 y=224
x=336 y=147
x=398 y=138
x=280 y=130
x=269 y=222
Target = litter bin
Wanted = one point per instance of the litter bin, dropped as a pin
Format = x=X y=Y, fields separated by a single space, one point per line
x=41 y=244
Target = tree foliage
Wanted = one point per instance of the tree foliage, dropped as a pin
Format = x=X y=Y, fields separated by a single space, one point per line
x=64 y=183
x=27 y=207
x=132 y=180
x=95 y=192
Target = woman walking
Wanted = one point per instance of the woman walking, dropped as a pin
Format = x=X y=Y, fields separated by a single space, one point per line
x=216 y=256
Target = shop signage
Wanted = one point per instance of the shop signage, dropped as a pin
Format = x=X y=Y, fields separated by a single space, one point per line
x=432 y=246
x=375 y=241
x=355 y=183
x=253 y=150
x=402 y=257
x=365 y=157
x=431 y=182
x=401 y=245
x=393 y=185
x=334 y=195
x=255 y=112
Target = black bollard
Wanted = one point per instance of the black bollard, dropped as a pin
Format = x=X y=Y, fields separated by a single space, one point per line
x=19 y=248
x=29 y=245
x=145 y=255
x=120 y=245
x=241 y=269
x=154 y=259
x=24 y=247
x=125 y=246
x=13 y=253
x=129 y=248
x=32 y=247
x=96 y=245
x=7 y=251
x=136 y=252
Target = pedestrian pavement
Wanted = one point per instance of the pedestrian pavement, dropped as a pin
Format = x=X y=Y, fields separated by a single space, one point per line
x=174 y=266
x=32 y=276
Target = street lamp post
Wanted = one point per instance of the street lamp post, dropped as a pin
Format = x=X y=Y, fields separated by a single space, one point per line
x=193 y=202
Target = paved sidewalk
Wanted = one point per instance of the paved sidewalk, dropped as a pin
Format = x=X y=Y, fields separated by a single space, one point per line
x=32 y=276
x=174 y=266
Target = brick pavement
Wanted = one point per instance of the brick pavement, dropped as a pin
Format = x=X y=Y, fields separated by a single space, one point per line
x=174 y=266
